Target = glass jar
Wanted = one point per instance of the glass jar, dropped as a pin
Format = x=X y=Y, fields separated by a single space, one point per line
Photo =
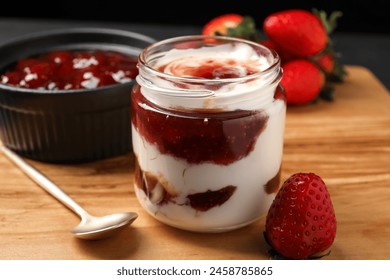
x=207 y=129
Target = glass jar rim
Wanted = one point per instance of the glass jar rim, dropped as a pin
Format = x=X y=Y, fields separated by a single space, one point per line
x=142 y=60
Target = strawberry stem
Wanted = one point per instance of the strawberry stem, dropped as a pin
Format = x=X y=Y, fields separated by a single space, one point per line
x=330 y=23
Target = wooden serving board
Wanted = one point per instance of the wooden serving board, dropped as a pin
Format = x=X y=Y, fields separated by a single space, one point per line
x=346 y=142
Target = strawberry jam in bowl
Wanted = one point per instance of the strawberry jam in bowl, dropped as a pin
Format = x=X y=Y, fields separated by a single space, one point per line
x=66 y=70
x=208 y=119
x=65 y=94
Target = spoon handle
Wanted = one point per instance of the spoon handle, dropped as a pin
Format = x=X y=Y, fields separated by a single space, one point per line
x=44 y=182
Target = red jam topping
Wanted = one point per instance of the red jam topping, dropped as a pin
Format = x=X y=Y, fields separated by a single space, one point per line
x=64 y=70
x=198 y=136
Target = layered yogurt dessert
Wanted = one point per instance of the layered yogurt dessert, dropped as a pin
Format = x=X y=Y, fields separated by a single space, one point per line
x=207 y=130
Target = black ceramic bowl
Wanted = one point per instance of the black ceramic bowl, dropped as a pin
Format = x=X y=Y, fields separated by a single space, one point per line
x=68 y=125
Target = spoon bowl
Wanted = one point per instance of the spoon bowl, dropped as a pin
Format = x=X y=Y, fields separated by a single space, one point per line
x=90 y=227
x=100 y=227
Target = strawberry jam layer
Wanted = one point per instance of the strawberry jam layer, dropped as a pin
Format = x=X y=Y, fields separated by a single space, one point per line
x=65 y=70
x=198 y=136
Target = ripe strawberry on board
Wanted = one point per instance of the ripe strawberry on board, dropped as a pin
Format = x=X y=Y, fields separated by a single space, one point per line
x=298 y=32
x=301 y=222
x=302 y=34
x=302 y=81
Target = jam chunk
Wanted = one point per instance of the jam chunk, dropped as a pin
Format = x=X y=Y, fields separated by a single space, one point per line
x=209 y=199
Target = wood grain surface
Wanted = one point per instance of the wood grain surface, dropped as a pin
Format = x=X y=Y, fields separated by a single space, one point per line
x=346 y=142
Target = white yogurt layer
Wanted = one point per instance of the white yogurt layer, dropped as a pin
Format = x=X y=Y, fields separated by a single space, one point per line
x=249 y=174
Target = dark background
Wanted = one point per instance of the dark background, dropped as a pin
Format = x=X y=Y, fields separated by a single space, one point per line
x=362 y=36
x=369 y=16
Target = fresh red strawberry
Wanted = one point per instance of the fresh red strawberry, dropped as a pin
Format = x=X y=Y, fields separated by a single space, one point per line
x=302 y=81
x=297 y=32
x=232 y=25
x=301 y=222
